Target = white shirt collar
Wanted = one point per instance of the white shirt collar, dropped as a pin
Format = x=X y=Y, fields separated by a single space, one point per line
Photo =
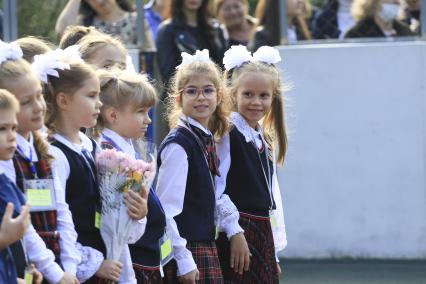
x=126 y=145
x=249 y=133
x=193 y=122
x=86 y=143
x=26 y=147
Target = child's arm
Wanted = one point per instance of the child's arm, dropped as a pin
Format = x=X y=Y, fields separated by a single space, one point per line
x=13 y=229
x=70 y=256
x=171 y=188
x=139 y=220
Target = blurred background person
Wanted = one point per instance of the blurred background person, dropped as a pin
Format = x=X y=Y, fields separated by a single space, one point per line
x=377 y=18
x=334 y=20
x=234 y=14
x=411 y=14
x=154 y=12
x=188 y=28
x=268 y=30
x=114 y=17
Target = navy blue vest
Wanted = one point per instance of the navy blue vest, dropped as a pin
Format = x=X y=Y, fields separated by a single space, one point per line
x=146 y=250
x=196 y=221
x=245 y=182
x=82 y=196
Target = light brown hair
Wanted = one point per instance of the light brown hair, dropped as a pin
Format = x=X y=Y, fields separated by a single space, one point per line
x=8 y=101
x=73 y=34
x=32 y=46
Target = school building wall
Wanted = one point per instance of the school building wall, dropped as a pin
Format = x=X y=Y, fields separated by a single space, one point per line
x=354 y=180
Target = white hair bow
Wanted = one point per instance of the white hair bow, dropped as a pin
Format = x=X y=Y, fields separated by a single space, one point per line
x=236 y=56
x=9 y=51
x=267 y=54
x=47 y=63
x=201 y=56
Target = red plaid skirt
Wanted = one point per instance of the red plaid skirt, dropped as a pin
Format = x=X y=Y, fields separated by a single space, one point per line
x=97 y=280
x=147 y=275
x=263 y=265
x=206 y=258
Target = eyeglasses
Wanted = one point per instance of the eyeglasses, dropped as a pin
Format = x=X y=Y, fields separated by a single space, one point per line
x=193 y=92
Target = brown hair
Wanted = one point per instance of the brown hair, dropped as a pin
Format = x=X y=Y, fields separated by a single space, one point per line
x=362 y=9
x=11 y=70
x=8 y=101
x=32 y=46
x=73 y=34
x=120 y=89
x=91 y=43
x=218 y=123
x=273 y=122
x=218 y=3
x=68 y=82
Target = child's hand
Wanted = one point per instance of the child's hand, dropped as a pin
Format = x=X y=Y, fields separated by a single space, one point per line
x=38 y=277
x=137 y=204
x=240 y=253
x=190 y=277
x=13 y=229
x=20 y=281
x=68 y=279
x=110 y=270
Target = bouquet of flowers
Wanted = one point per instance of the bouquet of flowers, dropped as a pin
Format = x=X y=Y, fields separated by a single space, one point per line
x=118 y=173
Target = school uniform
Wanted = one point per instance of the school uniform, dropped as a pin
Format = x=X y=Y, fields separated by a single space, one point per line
x=145 y=253
x=33 y=245
x=79 y=178
x=249 y=179
x=186 y=190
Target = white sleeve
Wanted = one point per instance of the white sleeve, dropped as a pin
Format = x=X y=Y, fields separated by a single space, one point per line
x=278 y=225
x=70 y=256
x=41 y=256
x=91 y=261
x=127 y=274
x=137 y=230
x=226 y=213
x=171 y=188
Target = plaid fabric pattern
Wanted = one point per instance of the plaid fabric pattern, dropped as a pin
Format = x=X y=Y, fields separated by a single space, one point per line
x=97 y=280
x=45 y=223
x=263 y=266
x=147 y=275
x=206 y=258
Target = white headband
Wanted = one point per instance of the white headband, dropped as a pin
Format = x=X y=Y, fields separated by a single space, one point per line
x=201 y=56
x=237 y=55
x=9 y=51
x=47 y=63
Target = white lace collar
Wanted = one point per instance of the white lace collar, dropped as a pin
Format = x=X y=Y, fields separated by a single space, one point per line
x=86 y=143
x=246 y=130
x=193 y=122
x=27 y=147
x=126 y=145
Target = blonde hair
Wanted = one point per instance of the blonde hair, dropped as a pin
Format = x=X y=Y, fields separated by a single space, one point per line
x=8 y=101
x=91 y=43
x=362 y=9
x=273 y=122
x=120 y=89
x=68 y=82
x=73 y=34
x=218 y=122
x=32 y=46
x=10 y=71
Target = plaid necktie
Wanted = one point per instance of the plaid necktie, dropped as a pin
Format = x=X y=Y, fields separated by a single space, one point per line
x=209 y=148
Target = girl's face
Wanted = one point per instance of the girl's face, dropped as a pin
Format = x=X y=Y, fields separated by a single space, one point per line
x=131 y=123
x=254 y=97
x=108 y=57
x=192 y=5
x=27 y=89
x=102 y=7
x=233 y=13
x=8 y=126
x=83 y=107
x=199 y=98
x=295 y=7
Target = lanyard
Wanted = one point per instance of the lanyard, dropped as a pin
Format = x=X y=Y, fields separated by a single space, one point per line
x=29 y=160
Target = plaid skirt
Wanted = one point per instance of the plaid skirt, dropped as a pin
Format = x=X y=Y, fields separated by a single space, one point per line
x=206 y=258
x=147 y=275
x=263 y=265
x=97 y=280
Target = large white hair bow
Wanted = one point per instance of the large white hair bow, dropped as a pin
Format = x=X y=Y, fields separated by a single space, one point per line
x=47 y=63
x=200 y=55
x=9 y=51
x=236 y=56
x=267 y=54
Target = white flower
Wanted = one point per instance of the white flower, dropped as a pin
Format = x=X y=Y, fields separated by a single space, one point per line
x=201 y=56
x=48 y=63
x=9 y=51
x=236 y=56
x=267 y=54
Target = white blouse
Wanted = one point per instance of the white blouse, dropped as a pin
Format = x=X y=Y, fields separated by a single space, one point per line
x=170 y=189
x=250 y=134
x=127 y=276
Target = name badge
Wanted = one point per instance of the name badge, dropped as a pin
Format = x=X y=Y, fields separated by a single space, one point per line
x=216 y=232
x=166 y=250
x=98 y=220
x=40 y=194
x=274 y=222
x=29 y=276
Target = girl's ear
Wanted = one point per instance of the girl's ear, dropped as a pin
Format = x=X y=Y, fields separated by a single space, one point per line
x=62 y=100
x=110 y=115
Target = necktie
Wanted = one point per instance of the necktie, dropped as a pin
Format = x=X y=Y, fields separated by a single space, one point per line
x=209 y=148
